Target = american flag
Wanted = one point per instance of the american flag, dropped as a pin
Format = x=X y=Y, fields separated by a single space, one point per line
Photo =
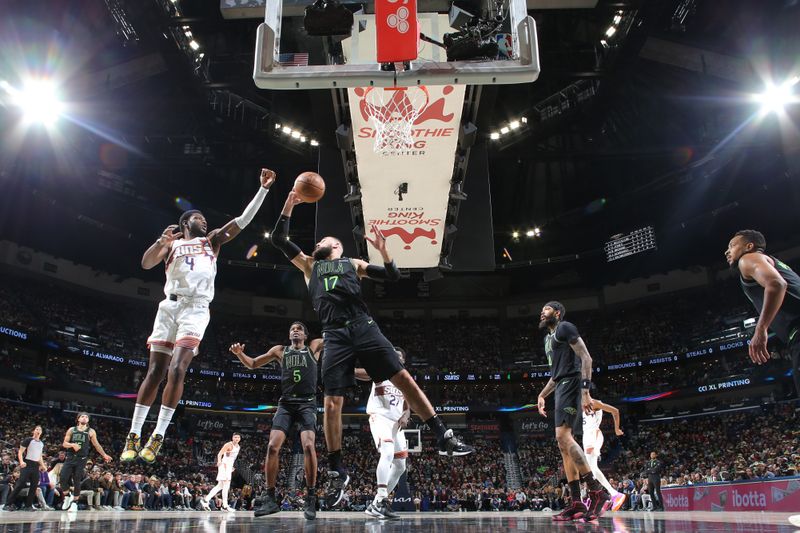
x=299 y=59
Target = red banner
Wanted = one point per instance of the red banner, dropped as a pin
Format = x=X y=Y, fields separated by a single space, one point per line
x=775 y=495
x=397 y=33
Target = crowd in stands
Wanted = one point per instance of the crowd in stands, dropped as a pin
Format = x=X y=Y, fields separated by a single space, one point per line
x=655 y=326
x=464 y=345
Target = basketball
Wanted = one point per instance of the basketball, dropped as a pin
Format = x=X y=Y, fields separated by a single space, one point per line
x=309 y=186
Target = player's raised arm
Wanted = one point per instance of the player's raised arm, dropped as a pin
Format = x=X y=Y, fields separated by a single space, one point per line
x=280 y=237
x=230 y=230
x=159 y=250
x=613 y=411
x=389 y=269
x=273 y=354
x=316 y=347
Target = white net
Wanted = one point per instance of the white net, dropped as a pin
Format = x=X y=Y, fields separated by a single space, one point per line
x=393 y=113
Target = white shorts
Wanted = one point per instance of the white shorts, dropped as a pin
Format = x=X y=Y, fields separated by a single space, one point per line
x=387 y=430
x=225 y=472
x=180 y=322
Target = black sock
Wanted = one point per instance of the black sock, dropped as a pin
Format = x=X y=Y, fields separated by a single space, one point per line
x=591 y=482
x=575 y=490
x=335 y=461
x=271 y=492
x=311 y=491
x=437 y=426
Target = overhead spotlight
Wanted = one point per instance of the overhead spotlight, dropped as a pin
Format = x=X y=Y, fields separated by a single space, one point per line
x=617 y=19
x=38 y=101
x=187 y=33
x=287 y=130
x=193 y=45
x=515 y=234
x=494 y=136
x=524 y=120
x=504 y=130
x=603 y=43
x=776 y=97
x=611 y=31
x=514 y=124
x=530 y=233
x=314 y=143
x=537 y=232
x=266 y=235
x=277 y=126
x=295 y=135
x=201 y=55
x=302 y=138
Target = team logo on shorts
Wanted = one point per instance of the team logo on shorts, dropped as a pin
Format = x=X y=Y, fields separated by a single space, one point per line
x=570 y=410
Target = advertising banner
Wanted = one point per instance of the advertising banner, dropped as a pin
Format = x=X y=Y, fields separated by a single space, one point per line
x=782 y=495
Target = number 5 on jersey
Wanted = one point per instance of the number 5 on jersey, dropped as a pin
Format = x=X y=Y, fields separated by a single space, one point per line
x=296 y=376
x=330 y=282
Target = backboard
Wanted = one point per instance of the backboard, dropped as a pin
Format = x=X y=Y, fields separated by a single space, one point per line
x=361 y=69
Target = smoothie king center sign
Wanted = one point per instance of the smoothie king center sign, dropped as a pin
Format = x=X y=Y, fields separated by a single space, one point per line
x=412 y=221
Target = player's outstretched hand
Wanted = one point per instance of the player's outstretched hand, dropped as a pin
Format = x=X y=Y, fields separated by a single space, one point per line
x=540 y=405
x=267 y=177
x=170 y=234
x=237 y=349
x=107 y=458
x=619 y=432
x=293 y=198
x=378 y=241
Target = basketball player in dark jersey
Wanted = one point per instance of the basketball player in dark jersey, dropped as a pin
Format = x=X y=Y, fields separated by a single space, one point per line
x=76 y=441
x=571 y=379
x=350 y=333
x=298 y=404
x=774 y=290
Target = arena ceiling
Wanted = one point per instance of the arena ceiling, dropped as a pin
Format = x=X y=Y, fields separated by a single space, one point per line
x=667 y=136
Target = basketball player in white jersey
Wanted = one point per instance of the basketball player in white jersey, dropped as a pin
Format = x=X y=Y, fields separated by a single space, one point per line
x=190 y=256
x=388 y=414
x=593 y=442
x=225 y=459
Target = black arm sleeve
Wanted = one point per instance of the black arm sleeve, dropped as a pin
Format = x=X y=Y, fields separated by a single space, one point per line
x=280 y=238
x=388 y=271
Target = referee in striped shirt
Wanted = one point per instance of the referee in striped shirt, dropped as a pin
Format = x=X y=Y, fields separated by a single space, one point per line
x=30 y=459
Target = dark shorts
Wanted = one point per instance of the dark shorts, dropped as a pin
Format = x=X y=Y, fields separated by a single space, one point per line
x=569 y=411
x=362 y=342
x=72 y=473
x=289 y=414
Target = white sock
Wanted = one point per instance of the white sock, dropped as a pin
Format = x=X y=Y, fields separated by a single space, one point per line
x=396 y=472
x=139 y=416
x=164 y=417
x=599 y=476
x=384 y=466
x=226 y=485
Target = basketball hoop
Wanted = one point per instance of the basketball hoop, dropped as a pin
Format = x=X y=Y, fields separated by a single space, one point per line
x=393 y=112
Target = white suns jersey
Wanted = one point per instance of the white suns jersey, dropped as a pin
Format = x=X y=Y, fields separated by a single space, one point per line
x=591 y=428
x=191 y=268
x=386 y=400
x=228 y=458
